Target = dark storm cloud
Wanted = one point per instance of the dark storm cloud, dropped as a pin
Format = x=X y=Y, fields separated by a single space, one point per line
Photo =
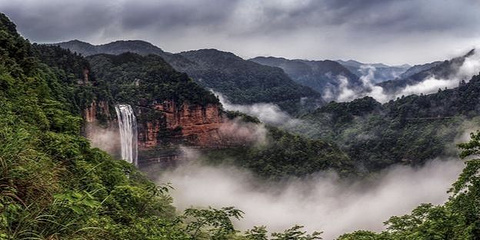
x=362 y=29
x=58 y=20
x=171 y=15
x=406 y=15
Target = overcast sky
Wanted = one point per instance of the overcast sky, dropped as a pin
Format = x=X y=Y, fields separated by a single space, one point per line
x=393 y=32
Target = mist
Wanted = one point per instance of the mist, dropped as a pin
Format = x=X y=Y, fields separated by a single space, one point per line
x=268 y=113
x=106 y=139
x=320 y=202
x=469 y=68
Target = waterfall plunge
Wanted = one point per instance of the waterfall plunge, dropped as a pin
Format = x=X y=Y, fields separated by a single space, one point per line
x=127 y=124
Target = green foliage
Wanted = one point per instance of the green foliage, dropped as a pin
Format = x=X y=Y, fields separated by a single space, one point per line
x=410 y=130
x=211 y=223
x=134 y=79
x=284 y=155
x=244 y=82
x=52 y=184
x=242 y=116
x=360 y=235
x=257 y=233
x=296 y=233
x=457 y=219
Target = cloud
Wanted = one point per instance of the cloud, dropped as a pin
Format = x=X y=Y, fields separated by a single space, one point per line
x=389 y=31
x=241 y=132
x=469 y=68
x=345 y=93
x=106 y=139
x=321 y=202
x=267 y=112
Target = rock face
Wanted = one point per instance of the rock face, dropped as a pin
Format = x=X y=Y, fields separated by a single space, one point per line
x=90 y=114
x=188 y=124
x=163 y=126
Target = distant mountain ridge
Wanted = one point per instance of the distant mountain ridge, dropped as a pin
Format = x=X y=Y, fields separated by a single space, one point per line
x=297 y=86
x=115 y=48
x=410 y=130
x=382 y=72
x=228 y=73
x=242 y=81
x=419 y=68
x=321 y=76
x=438 y=70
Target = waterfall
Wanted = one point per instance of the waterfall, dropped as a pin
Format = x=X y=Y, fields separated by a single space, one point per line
x=127 y=124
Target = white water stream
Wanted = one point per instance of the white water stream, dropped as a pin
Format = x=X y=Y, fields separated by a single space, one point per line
x=127 y=124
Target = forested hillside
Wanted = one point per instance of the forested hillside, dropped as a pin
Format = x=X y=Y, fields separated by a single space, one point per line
x=114 y=48
x=381 y=72
x=457 y=219
x=52 y=184
x=244 y=82
x=438 y=70
x=409 y=130
x=325 y=77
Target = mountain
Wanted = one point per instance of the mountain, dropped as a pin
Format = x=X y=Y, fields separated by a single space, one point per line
x=381 y=72
x=53 y=185
x=322 y=76
x=115 y=48
x=243 y=82
x=409 y=130
x=419 y=68
x=172 y=109
x=443 y=70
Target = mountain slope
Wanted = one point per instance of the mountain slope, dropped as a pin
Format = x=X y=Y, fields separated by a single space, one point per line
x=243 y=82
x=418 y=68
x=381 y=72
x=115 y=48
x=322 y=76
x=410 y=130
x=444 y=70
x=52 y=184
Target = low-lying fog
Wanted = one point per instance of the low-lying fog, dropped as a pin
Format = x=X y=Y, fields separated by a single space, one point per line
x=321 y=202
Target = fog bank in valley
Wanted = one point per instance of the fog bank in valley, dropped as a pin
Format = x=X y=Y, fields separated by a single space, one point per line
x=320 y=202
x=268 y=113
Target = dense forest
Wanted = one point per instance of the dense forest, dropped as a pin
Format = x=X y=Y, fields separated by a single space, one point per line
x=321 y=76
x=409 y=130
x=438 y=70
x=246 y=82
x=456 y=219
x=284 y=155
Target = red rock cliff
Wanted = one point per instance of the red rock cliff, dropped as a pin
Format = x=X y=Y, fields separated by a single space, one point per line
x=168 y=123
x=191 y=124
x=90 y=113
